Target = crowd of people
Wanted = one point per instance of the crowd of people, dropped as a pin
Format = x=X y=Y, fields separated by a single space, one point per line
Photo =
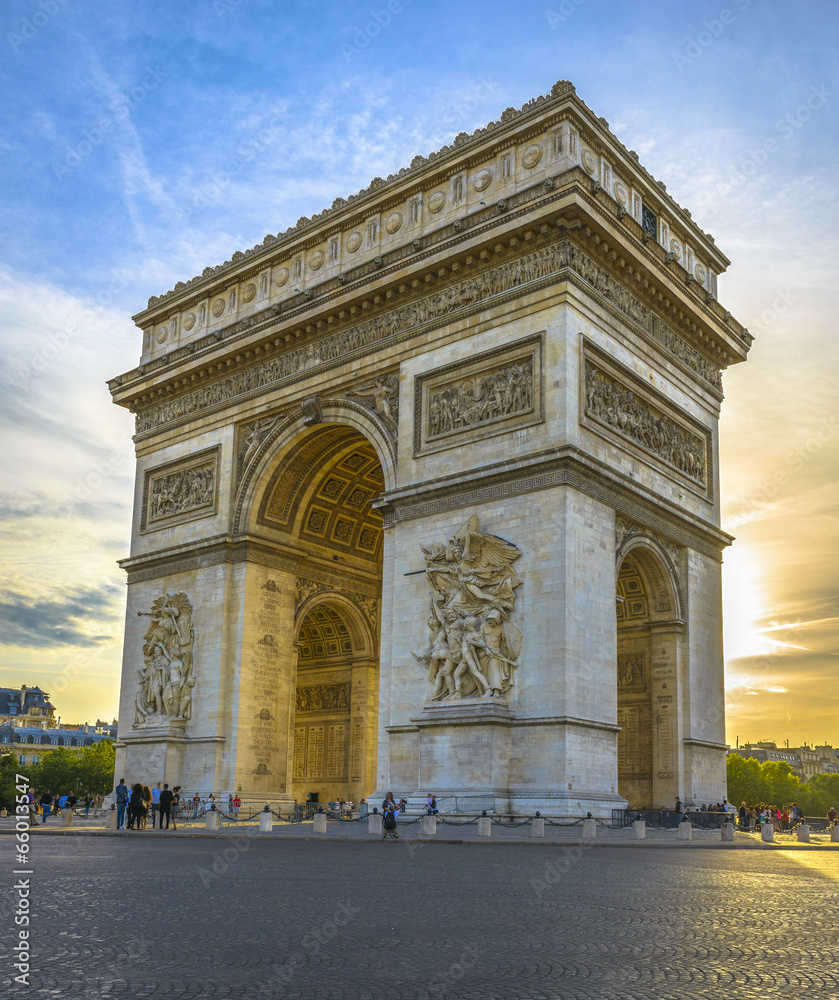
x=783 y=818
x=49 y=803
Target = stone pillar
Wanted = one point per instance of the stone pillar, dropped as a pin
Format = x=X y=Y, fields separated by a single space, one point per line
x=803 y=833
x=727 y=833
x=111 y=819
x=484 y=826
x=429 y=826
x=266 y=822
x=537 y=827
x=66 y=817
x=767 y=833
x=374 y=823
x=666 y=718
x=319 y=825
x=685 y=830
x=589 y=829
x=639 y=830
x=211 y=819
x=363 y=727
x=834 y=834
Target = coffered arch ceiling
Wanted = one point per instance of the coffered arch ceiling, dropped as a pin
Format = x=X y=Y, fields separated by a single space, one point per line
x=323 y=494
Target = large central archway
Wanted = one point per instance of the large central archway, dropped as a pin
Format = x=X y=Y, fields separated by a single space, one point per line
x=313 y=602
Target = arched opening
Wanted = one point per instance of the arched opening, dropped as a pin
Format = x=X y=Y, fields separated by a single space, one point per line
x=648 y=620
x=316 y=711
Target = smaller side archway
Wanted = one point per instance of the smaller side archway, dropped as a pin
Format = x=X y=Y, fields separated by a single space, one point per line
x=649 y=628
x=335 y=701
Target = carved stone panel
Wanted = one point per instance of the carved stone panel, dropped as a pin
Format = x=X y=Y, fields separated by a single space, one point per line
x=181 y=490
x=631 y=672
x=494 y=393
x=323 y=698
x=615 y=401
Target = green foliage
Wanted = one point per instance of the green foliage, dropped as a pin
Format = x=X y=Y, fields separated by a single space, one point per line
x=61 y=770
x=819 y=794
x=770 y=782
x=8 y=772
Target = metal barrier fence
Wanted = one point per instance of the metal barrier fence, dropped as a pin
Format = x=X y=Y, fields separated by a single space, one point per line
x=669 y=819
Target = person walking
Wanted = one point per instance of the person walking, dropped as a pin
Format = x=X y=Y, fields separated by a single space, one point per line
x=155 y=802
x=831 y=816
x=166 y=797
x=122 y=798
x=88 y=801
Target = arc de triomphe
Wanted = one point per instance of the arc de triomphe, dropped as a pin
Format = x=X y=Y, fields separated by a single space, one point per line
x=427 y=491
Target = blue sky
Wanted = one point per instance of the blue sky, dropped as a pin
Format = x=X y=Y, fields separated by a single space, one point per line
x=142 y=143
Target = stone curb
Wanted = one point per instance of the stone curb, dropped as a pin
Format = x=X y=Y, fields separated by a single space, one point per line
x=486 y=842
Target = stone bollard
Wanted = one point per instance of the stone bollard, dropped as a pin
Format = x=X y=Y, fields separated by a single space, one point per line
x=484 y=826
x=727 y=833
x=320 y=823
x=537 y=827
x=374 y=823
x=66 y=817
x=803 y=833
x=639 y=830
x=266 y=822
x=685 y=830
x=767 y=833
x=211 y=820
x=111 y=819
x=834 y=834
x=589 y=829
x=429 y=826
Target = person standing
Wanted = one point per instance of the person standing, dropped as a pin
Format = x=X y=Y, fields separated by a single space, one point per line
x=88 y=800
x=176 y=805
x=831 y=816
x=166 y=797
x=391 y=812
x=237 y=803
x=146 y=805
x=136 y=806
x=122 y=798
x=155 y=802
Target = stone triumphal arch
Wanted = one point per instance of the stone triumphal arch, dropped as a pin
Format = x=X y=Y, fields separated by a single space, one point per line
x=427 y=491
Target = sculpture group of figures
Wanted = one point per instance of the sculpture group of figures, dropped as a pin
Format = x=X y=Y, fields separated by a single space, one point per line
x=459 y=295
x=472 y=646
x=480 y=399
x=166 y=678
x=322 y=697
x=613 y=403
x=181 y=491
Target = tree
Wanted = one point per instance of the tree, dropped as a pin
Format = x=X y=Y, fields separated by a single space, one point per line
x=95 y=768
x=8 y=772
x=771 y=782
x=57 y=771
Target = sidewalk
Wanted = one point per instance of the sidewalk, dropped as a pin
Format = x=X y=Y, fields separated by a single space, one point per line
x=448 y=832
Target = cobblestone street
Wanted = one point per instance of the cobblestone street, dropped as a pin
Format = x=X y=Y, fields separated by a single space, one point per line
x=138 y=917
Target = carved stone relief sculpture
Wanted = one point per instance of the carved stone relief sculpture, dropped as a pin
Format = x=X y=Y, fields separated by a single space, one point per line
x=473 y=647
x=382 y=397
x=613 y=403
x=181 y=492
x=251 y=440
x=166 y=680
x=481 y=399
x=323 y=698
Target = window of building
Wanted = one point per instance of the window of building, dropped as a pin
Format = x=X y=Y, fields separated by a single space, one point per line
x=22 y=758
x=649 y=222
x=35 y=759
x=333 y=250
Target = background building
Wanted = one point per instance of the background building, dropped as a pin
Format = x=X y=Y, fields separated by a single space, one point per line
x=25 y=703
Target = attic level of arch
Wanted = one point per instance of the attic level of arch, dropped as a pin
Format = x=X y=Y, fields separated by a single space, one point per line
x=592 y=217
x=515 y=127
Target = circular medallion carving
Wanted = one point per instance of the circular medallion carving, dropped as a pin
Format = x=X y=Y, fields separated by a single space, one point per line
x=218 y=307
x=621 y=194
x=531 y=157
x=394 y=223
x=249 y=292
x=162 y=334
x=189 y=321
x=280 y=276
x=700 y=274
x=589 y=162
x=483 y=179
x=316 y=260
x=436 y=202
x=353 y=242
x=676 y=249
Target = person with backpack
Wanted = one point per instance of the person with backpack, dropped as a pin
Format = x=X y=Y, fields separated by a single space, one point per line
x=431 y=805
x=390 y=811
x=166 y=797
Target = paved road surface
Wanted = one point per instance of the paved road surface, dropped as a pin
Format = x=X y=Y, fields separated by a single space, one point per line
x=136 y=917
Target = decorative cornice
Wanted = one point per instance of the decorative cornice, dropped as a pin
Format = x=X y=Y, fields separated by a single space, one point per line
x=558 y=467
x=499 y=283
x=483 y=720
